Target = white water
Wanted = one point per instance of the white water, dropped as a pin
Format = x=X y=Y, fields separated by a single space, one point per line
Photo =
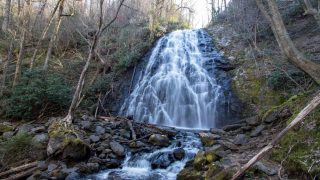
x=175 y=89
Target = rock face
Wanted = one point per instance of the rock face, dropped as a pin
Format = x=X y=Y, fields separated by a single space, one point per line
x=240 y=139
x=280 y=114
x=257 y=131
x=159 y=140
x=117 y=148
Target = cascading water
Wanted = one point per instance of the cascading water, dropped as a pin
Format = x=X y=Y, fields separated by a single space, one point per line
x=181 y=86
x=184 y=85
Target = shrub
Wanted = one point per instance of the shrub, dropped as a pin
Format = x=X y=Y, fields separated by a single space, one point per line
x=35 y=93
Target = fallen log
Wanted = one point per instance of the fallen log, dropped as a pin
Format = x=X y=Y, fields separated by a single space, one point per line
x=22 y=174
x=299 y=118
x=18 y=169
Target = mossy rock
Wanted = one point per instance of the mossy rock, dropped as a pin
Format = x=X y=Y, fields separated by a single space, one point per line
x=211 y=156
x=199 y=161
x=190 y=174
x=5 y=127
x=65 y=141
x=222 y=175
x=212 y=170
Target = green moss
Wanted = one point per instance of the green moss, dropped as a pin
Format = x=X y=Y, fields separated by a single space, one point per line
x=199 y=161
x=210 y=156
x=5 y=127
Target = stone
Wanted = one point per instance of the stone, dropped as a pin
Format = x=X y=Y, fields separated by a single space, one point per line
x=208 y=139
x=257 y=131
x=117 y=148
x=190 y=174
x=25 y=128
x=8 y=135
x=179 y=153
x=94 y=138
x=217 y=131
x=240 y=139
x=92 y=167
x=281 y=114
x=161 y=160
x=5 y=127
x=73 y=176
x=41 y=138
x=232 y=127
x=253 y=121
x=228 y=145
x=124 y=133
x=52 y=166
x=211 y=156
x=87 y=125
x=267 y=169
x=100 y=130
x=214 y=148
x=159 y=140
x=76 y=150
x=199 y=161
x=137 y=144
x=113 y=163
x=54 y=145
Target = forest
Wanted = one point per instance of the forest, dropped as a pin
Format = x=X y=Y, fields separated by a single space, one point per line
x=159 y=89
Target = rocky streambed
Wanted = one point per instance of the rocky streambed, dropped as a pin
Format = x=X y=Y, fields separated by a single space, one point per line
x=118 y=148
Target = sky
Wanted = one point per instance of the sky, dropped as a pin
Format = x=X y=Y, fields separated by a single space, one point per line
x=202 y=12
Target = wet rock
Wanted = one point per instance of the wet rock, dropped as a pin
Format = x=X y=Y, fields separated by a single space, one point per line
x=124 y=133
x=73 y=176
x=100 y=130
x=199 y=161
x=253 y=121
x=217 y=131
x=94 y=138
x=240 y=139
x=87 y=125
x=117 y=148
x=211 y=156
x=208 y=139
x=89 y=168
x=137 y=144
x=159 y=140
x=76 y=150
x=232 y=127
x=161 y=160
x=41 y=138
x=179 y=153
x=257 y=131
x=113 y=163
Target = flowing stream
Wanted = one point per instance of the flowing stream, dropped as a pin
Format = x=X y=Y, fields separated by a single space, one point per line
x=185 y=86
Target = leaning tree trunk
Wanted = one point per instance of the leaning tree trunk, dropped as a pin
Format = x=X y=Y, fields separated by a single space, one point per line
x=54 y=36
x=286 y=45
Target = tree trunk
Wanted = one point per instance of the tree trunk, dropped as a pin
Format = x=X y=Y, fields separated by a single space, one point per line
x=23 y=31
x=7 y=12
x=5 y=66
x=54 y=35
x=286 y=45
x=299 y=118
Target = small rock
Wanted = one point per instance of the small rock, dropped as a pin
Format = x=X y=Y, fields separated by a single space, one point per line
x=208 y=139
x=52 y=166
x=41 y=138
x=8 y=135
x=179 y=153
x=161 y=160
x=228 y=145
x=266 y=169
x=94 y=138
x=232 y=127
x=100 y=130
x=257 y=131
x=217 y=131
x=240 y=139
x=159 y=140
x=5 y=127
x=73 y=176
x=253 y=121
x=25 y=128
x=87 y=125
x=92 y=167
x=117 y=148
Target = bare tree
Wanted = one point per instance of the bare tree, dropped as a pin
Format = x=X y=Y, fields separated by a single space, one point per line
x=7 y=15
x=286 y=45
x=101 y=28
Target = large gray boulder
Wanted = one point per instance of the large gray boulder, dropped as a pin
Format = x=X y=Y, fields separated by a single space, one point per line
x=117 y=148
x=159 y=140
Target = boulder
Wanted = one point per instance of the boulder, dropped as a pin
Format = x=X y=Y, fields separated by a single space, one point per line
x=117 y=148
x=8 y=135
x=240 y=139
x=94 y=138
x=100 y=130
x=76 y=150
x=267 y=168
x=208 y=139
x=41 y=138
x=228 y=144
x=5 y=127
x=190 y=174
x=161 y=160
x=211 y=156
x=253 y=121
x=232 y=127
x=217 y=131
x=25 y=128
x=199 y=161
x=257 y=131
x=159 y=140
x=179 y=153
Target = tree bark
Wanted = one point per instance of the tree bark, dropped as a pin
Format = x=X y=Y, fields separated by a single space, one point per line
x=286 y=45
x=54 y=35
x=7 y=12
x=23 y=30
x=299 y=118
x=312 y=11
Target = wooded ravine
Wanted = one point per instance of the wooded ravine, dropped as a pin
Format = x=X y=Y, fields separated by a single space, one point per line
x=159 y=89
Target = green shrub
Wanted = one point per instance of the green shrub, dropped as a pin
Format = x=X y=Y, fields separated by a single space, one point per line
x=37 y=92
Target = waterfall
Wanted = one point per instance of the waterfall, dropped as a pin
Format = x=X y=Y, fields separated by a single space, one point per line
x=179 y=86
